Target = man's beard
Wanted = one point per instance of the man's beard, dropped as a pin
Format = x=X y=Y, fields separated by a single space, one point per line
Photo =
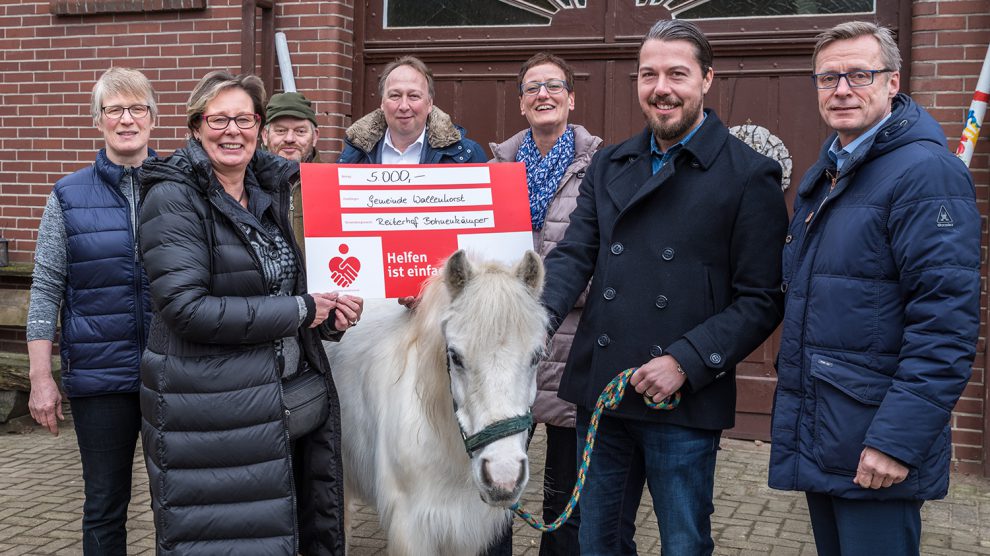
x=669 y=129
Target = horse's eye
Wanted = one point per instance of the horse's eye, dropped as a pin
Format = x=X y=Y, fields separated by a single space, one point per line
x=455 y=358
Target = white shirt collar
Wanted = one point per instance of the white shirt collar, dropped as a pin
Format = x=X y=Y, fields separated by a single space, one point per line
x=412 y=154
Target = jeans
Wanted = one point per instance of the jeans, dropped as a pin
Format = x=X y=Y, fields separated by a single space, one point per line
x=107 y=429
x=845 y=527
x=559 y=476
x=678 y=465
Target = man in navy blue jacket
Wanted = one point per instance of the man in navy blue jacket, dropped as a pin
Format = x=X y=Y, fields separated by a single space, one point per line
x=408 y=128
x=881 y=269
x=679 y=228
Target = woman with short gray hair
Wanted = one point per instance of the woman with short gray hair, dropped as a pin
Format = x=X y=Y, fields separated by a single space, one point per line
x=86 y=264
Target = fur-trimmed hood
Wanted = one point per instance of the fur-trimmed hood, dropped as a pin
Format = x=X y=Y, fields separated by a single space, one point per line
x=441 y=131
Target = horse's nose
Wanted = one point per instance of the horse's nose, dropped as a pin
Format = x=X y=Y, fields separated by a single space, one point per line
x=504 y=476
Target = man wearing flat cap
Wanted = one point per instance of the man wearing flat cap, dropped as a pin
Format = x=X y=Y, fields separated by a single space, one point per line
x=291 y=133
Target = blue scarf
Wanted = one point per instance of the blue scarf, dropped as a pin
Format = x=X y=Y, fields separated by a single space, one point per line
x=543 y=174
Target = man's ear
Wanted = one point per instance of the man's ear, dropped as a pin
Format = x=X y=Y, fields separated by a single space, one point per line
x=708 y=79
x=894 y=84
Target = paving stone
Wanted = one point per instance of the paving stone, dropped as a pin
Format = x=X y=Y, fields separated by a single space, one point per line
x=785 y=551
x=57 y=546
x=41 y=496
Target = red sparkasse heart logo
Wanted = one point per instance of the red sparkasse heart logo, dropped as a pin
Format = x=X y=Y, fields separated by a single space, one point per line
x=343 y=271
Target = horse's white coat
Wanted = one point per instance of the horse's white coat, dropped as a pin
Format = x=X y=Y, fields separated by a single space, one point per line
x=403 y=451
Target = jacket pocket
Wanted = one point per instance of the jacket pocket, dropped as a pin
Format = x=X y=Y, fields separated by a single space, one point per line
x=847 y=397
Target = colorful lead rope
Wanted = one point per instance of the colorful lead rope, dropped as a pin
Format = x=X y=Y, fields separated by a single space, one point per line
x=609 y=399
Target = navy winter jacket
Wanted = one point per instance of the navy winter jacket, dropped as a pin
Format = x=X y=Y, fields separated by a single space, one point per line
x=881 y=315
x=106 y=310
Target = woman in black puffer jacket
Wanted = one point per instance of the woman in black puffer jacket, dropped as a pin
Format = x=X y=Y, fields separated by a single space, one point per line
x=232 y=325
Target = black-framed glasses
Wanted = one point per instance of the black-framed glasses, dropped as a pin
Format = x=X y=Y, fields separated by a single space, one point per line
x=220 y=122
x=854 y=78
x=554 y=87
x=136 y=111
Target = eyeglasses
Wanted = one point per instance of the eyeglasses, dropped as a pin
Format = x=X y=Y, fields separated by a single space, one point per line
x=302 y=132
x=554 y=87
x=137 y=111
x=855 y=78
x=221 y=122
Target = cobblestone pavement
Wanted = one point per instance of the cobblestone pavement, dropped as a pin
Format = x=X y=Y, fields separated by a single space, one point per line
x=41 y=504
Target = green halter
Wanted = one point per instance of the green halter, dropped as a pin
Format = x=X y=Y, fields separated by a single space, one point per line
x=493 y=431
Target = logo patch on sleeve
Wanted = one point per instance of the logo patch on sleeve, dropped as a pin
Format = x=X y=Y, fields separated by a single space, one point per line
x=943 y=220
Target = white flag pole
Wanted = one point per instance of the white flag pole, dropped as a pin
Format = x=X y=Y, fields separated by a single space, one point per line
x=285 y=64
x=974 y=119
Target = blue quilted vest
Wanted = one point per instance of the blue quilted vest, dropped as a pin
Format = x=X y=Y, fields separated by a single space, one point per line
x=106 y=311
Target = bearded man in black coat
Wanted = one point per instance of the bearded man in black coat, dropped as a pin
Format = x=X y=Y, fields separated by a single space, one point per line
x=680 y=230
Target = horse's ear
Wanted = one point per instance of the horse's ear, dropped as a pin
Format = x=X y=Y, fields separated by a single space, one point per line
x=457 y=272
x=530 y=271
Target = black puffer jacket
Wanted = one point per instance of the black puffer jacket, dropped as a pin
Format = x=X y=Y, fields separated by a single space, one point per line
x=223 y=480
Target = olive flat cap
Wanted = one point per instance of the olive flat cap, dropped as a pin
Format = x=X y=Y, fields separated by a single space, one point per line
x=290 y=104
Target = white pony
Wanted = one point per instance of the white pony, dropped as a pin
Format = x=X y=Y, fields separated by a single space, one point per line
x=417 y=387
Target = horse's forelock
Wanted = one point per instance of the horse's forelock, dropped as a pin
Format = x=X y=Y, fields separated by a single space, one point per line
x=502 y=298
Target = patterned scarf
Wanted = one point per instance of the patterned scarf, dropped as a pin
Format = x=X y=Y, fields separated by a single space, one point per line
x=543 y=174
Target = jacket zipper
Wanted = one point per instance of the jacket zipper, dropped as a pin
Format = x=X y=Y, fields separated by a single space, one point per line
x=138 y=293
x=285 y=194
x=292 y=475
x=285 y=428
x=811 y=215
x=808 y=221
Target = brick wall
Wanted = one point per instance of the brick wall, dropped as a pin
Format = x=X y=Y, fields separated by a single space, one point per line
x=949 y=44
x=49 y=64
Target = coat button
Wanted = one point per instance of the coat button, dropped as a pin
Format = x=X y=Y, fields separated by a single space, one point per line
x=656 y=351
x=695 y=164
x=662 y=301
x=789 y=238
x=617 y=248
x=715 y=358
x=604 y=340
x=580 y=174
x=609 y=293
x=783 y=287
x=667 y=254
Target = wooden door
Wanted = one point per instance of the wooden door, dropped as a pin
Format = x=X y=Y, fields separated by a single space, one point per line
x=762 y=67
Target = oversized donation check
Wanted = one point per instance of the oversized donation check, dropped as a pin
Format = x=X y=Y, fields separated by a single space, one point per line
x=379 y=231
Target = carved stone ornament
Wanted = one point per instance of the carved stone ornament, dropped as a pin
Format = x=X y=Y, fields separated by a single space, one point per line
x=767 y=144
